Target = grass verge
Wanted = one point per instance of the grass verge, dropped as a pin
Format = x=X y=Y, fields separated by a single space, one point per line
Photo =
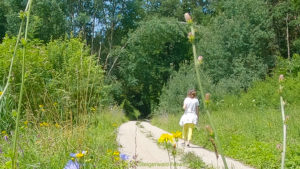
x=46 y=145
x=252 y=136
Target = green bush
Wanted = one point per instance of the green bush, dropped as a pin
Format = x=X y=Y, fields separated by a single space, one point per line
x=62 y=80
x=174 y=92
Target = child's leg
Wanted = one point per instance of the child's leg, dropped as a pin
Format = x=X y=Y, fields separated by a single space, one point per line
x=185 y=132
x=190 y=131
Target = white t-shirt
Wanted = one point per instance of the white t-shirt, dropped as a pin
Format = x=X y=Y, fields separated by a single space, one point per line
x=190 y=114
x=190 y=105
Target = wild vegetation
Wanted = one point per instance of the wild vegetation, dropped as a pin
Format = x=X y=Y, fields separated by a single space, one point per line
x=85 y=60
x=249 y=124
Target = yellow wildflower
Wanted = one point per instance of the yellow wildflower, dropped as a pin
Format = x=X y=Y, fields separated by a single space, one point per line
x=88 y=160
x=165 y=138
x=116 y=153
x=44 y=124
x=26 y=122
x=114 y=125
x=54 y=104
x=79 y=155
x=177 y=134
x=93 y=109
x=41 y=106
x=4 y=132
x=1 y=93
x=57 y=125
x=117 y=158
x=72 y=158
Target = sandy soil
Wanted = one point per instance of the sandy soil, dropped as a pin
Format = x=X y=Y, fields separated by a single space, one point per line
x=139 y=139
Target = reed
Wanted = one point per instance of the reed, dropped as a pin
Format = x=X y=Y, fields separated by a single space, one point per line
x=26 y=14
x=197 y=63
x=281 y=78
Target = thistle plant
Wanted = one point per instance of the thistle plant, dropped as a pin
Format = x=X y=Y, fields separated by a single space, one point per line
x=211 y=137
x=284 y=119
x=24 y=14
x=198 y=61
x=176 y=135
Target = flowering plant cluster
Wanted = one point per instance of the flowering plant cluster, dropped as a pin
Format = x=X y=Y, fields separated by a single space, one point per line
x=167 y=140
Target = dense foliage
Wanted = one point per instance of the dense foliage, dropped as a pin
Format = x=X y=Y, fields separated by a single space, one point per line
x=82 y=56
x=238 y=39
x=62 y=81
x=249 y=125
x=144 y=65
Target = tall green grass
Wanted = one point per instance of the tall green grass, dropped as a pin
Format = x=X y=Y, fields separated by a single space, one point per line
x=250 y=125
x=49 y=147
x=197 y=62
x=250 y=136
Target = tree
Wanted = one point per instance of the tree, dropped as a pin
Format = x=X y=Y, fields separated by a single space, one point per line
x=157 y=46
x=238 y=45
x=3 y=22
x=51 y=23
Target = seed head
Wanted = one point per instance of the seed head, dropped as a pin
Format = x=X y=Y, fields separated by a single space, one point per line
x=281 y=78
x=278 y=146
x=207 y=97
x=209 y=130
x=191 y=37
x=200 y=59
x=188 y=18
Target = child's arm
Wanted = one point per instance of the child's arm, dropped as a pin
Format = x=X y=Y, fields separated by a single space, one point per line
x=184 y=105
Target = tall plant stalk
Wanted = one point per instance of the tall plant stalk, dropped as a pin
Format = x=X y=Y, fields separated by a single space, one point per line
x=15 y=140
x=197 y=66
x=12 y=60
x=281 y=78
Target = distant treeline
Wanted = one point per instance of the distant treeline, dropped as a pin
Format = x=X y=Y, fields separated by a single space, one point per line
x=140 y=43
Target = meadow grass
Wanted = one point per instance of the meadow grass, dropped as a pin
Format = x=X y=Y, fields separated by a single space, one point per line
x=193 y=161
x=48 y=145
x=253 y=136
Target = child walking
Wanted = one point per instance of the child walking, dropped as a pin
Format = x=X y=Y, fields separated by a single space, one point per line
x=190 y=117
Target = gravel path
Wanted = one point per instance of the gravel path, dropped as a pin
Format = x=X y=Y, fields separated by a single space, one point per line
x=139 y=138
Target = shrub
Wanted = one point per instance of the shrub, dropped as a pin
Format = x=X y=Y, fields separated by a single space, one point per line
x=62 y=80
x=174 y=92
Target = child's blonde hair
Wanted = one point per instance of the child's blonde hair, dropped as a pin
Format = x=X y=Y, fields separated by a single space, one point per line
x=192 y=93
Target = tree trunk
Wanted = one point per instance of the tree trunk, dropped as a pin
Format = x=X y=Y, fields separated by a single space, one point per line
x=287 y=36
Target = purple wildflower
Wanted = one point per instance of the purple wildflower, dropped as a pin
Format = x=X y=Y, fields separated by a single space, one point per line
x=6 y=138
x=72 y=165
x=124 y=156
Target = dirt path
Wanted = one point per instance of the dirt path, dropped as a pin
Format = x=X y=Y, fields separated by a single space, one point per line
x=139 y=138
